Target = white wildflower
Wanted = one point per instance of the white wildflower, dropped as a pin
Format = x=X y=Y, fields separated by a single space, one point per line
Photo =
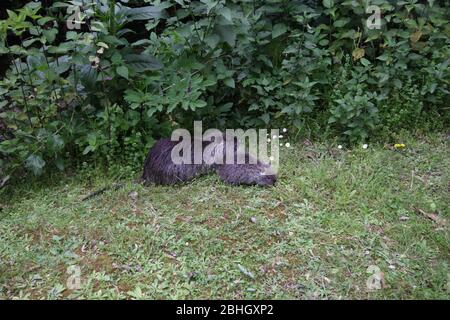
x=94 y=61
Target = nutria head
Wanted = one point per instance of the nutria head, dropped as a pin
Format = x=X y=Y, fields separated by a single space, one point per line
x=267 y=179
x=247 y=174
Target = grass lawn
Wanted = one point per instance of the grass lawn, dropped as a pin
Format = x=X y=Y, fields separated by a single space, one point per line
x=332 y=215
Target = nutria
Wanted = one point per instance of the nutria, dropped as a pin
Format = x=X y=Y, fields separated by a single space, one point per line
x=160 y=169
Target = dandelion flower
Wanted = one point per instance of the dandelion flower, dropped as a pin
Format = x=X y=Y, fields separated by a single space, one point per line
x=399 y=145
x=287 y=145
x=365 y=146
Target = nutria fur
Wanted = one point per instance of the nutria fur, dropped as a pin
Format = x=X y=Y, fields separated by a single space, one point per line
x=159 y=168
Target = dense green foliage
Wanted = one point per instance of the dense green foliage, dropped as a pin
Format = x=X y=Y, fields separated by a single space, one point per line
x=137 y=69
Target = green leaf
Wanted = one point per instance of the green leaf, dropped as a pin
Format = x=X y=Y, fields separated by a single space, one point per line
x=29 y=42
x=383 y=57
x=397 y=83
x=61 y=65
x=132 y=96
x=44 y=20
x=60 y=164
x=328 y=3
x=122 y=71
x=226 y=13
x=35 y=164
x=88 y=149
x=198 y=104
x=212 y=40
x=142 y=62
x=341 y=22
x=265 y=117
x=57 y=143
x=144 y=13
x=229 y=82
x=278 y=30
x=227 y=34
x=88 y=75
x=365 y=62
x=50 y=34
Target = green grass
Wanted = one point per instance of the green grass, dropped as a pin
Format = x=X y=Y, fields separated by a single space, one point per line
x=332 y=214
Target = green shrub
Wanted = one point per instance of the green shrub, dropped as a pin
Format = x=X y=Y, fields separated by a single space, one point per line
x=130 y=75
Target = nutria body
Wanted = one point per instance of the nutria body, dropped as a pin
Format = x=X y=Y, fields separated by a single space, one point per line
x=160 y=169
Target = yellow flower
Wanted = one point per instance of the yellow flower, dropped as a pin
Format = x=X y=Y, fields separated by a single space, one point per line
x=399 y=145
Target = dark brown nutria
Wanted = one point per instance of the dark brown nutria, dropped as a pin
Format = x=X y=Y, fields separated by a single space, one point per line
x=160 y=169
